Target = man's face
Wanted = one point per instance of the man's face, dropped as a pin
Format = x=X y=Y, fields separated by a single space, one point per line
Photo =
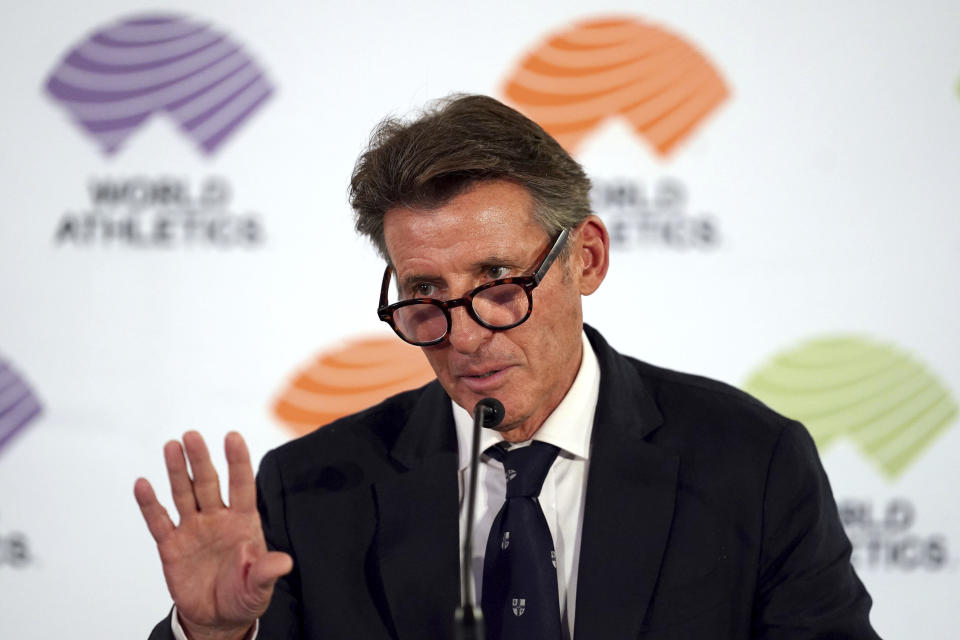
x=481 y=235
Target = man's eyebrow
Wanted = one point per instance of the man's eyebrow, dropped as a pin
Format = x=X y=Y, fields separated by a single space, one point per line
x=495 y=261
x=478 y=266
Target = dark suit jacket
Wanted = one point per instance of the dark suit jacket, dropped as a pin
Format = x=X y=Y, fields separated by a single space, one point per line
x=707 y=515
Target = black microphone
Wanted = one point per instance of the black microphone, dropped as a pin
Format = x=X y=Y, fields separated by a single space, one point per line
x=468 y=620
x=488 y=413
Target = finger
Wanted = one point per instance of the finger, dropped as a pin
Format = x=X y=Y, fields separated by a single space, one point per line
x=156 y=517
x=243 y=491
x=181 y=487
x=206 y=483
x=267 y=569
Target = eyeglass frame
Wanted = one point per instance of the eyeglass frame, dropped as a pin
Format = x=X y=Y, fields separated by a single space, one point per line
x=527 y=283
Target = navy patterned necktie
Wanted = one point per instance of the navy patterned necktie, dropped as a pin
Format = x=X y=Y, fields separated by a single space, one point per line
x=520 y=600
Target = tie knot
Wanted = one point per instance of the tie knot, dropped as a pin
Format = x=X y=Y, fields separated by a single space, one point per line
x=525 y=467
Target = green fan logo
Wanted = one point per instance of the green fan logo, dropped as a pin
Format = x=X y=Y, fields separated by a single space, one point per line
x=880 y=397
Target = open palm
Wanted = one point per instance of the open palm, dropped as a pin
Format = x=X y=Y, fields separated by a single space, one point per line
x=215 y=561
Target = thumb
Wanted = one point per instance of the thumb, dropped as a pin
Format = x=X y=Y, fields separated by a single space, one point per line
x=265 y=571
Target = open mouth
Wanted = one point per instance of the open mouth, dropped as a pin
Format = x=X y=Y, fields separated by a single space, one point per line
x=486 y=381
x=486 y=375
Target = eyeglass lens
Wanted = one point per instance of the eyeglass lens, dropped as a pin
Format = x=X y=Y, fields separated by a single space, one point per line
x=420 y=322
x=499 y=306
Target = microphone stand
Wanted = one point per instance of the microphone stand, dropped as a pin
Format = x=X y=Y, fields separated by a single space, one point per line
x=468 y=619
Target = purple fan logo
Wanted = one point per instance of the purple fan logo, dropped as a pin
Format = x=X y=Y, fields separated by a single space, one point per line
x=122 y=74
x=18 y=405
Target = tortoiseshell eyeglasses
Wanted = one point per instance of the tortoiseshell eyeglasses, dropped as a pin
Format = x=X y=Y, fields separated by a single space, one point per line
x=498 y=305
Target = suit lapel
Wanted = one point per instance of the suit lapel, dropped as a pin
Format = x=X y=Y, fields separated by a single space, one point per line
x=631 y=491
x=418 y=524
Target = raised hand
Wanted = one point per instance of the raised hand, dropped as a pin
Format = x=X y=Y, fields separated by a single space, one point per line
x=215 y=561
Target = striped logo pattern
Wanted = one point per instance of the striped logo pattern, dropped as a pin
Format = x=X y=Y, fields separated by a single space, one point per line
x=111 y=83
x=623 y=67
x=874 y=393
x=348 y=379
x=18 y=405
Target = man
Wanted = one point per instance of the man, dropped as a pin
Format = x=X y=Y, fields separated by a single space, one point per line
x=674 y=506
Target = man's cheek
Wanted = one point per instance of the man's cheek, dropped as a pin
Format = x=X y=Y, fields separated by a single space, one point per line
x=436 y=364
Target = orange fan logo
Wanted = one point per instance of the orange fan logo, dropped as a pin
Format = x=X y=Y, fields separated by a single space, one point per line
x=623 y=67
x=348 y=379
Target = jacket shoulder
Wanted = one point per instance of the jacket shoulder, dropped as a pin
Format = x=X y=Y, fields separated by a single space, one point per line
x=691 y=410
x=668 y=384
x=366 y=436
x=698 y=401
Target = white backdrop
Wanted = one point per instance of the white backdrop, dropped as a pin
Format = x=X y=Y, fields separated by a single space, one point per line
x=827 y=177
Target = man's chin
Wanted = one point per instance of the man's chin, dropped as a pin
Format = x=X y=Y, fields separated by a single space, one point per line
x=508 y=427
x=468 y=401
x=516 y=430
x=513 y=428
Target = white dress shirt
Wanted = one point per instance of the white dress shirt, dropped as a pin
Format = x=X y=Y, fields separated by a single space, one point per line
x=569 y=428
x=180 y=634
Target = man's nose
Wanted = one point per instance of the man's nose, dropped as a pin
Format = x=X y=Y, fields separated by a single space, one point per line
x=466 y=334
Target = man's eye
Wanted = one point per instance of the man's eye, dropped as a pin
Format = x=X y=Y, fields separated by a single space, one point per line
x=424 y=290
x=495 y=273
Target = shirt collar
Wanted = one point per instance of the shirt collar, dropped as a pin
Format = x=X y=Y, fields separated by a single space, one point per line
x=569 y=426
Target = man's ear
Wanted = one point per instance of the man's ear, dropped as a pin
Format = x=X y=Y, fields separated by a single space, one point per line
x=591 y=253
